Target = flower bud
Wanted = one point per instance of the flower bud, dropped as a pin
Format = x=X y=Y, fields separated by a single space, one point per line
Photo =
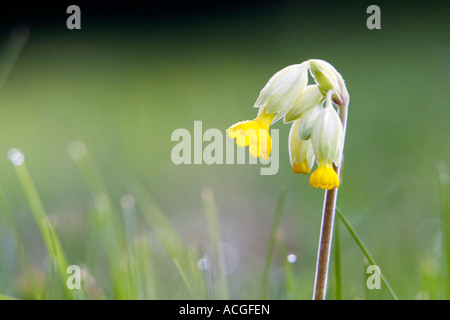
x=327 y=136
x=307 y=121
x=328 y=78
x=310 y=97
x=283 y=90
x=300 y=151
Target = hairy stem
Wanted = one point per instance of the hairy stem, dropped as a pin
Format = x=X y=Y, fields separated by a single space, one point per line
x=323 y=256
x=326 y=232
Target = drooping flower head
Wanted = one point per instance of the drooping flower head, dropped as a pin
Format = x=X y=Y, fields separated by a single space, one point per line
x=301 y=152
x=317 y=133
x=254 y=133
x=281 y=93
x=327 y=138
x=328 y=79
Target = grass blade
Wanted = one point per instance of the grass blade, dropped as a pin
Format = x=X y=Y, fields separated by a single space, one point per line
x=203 y=265
x=159 y=223
x=185 y=279
x=35 y=292
x=106 y=221
x=272 y=241
x=291 y=286
x=197 y=269
x=366 y=252
x=146 y=267
x=133 y=253
x=445 y=219
x=6 y=297
x=14 y=46
x=212 y=220
x=167 y=236
x=46 y=229
x=337 y=260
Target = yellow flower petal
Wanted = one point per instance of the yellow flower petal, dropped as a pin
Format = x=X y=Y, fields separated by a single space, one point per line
x=238 y=131
x=254 y=133
x=324 y=177
x=301 y=167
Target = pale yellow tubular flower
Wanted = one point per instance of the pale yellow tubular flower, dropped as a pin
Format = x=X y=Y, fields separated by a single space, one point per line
x=301 y=152
x=278 y=96
x=307 y=121
x=327 y=139
x=327 y=77
x=254 y=133
x=310 y=97
x=283 y=90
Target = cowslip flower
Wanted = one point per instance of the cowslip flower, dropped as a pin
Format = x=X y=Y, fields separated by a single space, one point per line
x=307 y=121
x=317 y=133
x=301 y=152
x=281 y=93
x=328 y=79
x=254 y=133
x=310 y=97
x=327 y=138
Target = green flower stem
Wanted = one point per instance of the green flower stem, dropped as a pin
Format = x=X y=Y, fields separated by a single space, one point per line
x=323 y=255
x=326 y=233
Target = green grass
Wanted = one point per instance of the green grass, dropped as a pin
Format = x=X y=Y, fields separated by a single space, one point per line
x=57 y=260
x=128 y=259
x=366 y=252
x=218 y=254
x=14 y=46
x=272 y=242
x=337 y=260
x=445 y=220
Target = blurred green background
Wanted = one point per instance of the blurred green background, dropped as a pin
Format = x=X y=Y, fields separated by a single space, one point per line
x=123 y=86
